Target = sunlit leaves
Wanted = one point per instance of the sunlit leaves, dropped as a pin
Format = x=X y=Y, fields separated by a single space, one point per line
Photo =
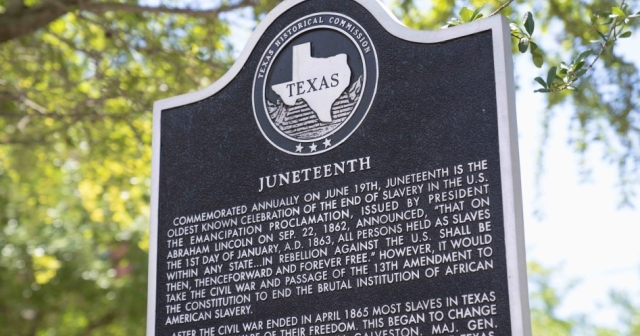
x=545 y=299
x=466 y=16
x=629 y=309
x=615 y=21
x=45 y=268
x=566 y=77
x=617 y=12
x=75 y=152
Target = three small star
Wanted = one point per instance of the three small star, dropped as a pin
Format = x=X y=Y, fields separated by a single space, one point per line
x=313 y=147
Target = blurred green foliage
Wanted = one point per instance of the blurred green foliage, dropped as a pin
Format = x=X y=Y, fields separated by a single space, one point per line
x=75 y=144
x=548 y=288
x=545 y=299
x=75 y=155
x=605 y=102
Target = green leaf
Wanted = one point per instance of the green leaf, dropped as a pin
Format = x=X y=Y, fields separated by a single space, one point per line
x=538 y=60
x=535 y=48
x=578 y=65
x=551 y=76
x=580 y=73
x=625 y=34
x=617 y=11
x=564 y=65
x=529 y=25
x=541 y=82
x=536 y=55
x=542 y=90
x=523 y=45
x=466 y=14
x=584 y=55
x=514 y=27
x=476 y=14
x=562 y=74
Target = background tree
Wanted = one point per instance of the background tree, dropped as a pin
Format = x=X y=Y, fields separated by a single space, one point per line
x=78 y=79
x=547 y=293
x=77 y=83
x=630 y=312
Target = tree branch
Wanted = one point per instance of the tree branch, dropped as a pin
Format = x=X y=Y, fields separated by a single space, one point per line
x=28 y=20
x=43 y=137
x=104 y=320
x=103 y=7
x=505 y=5
x=22 y=21
x=603 y=45
x=14 y=7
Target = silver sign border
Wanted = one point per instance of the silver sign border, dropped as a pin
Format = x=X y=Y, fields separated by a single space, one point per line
x=507 y=133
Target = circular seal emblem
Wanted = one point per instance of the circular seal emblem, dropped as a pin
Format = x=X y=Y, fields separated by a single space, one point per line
x=315 y=83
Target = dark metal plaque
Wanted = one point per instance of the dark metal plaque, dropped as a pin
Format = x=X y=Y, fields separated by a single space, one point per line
x=348 y=176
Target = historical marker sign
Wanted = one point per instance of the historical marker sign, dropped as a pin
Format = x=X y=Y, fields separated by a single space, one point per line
x=347 y=176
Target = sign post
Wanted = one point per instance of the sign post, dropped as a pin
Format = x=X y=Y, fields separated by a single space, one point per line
x=348 y=176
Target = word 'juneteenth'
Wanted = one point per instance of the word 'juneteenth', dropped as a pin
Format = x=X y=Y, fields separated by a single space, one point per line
x=315 y=173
